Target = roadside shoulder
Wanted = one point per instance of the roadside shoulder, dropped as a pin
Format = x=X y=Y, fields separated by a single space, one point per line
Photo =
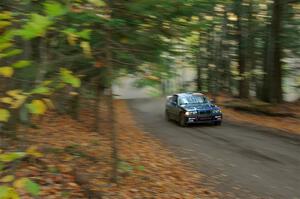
x=264 y=129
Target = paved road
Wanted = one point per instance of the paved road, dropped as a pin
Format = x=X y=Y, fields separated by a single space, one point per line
x=248 y=161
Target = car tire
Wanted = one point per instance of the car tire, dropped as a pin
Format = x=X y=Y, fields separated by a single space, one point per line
x=181 y=120
x=218 y=123
x=167 y=116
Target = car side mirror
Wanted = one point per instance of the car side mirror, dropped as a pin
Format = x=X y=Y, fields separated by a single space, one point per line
x=212 y=101
x=174 y=103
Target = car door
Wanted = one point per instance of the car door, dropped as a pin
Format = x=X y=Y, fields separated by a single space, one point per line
x=173 y=106
x=179 y=106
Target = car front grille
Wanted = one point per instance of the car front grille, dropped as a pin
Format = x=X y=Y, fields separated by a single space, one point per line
x=206 y=112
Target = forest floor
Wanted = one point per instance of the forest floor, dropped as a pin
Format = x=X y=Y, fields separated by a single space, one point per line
x=76 y=161
x=284 y=117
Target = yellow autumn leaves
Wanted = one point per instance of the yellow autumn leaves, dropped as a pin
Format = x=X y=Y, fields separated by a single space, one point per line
x=10 y=185
x=4 y=115
x=8 y=178
x=16 y=99
x=87 y=50
x=7 y=192
x=6 y=71
x=73 y=36
x=37 y=107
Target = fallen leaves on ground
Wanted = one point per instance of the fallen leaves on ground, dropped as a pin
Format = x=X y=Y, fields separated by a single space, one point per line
x=287 y=124
x=72 y=161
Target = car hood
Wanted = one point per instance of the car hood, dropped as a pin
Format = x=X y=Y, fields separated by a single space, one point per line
x=199 y=107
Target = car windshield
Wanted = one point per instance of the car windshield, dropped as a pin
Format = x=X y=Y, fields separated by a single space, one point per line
x=193 y=99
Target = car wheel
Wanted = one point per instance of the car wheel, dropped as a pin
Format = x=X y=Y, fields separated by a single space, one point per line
x=218 y=123
x=182 y=121
x=167 y=116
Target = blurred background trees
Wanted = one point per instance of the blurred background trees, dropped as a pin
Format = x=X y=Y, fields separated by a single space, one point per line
x=62 y=50
x=244 y=47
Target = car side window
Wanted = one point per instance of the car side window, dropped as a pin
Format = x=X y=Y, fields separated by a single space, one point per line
x=182 y=101
x=174 y=99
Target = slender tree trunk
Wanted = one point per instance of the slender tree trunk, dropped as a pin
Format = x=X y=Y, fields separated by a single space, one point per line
x=112 y=115
x=272 y=85
x=265 y=94
x=109 y=56
x=75 y=104
x=210 y=60
x=199 y=66
x=199 y=73
x=97 y=107
x=41 y=71
x=276 y=31
x=224 y=56
x=243 y=82
x=251 y=46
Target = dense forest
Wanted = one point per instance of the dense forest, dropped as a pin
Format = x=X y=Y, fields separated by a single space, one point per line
x=241 y=47
x=55 y=53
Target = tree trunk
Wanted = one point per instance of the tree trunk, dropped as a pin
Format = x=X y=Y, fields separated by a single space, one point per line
x=243 y=82
x=272 y=85
x=113 y=132
x=75 y=104
x=199 y=66
x=251 y=46
x=265 y=94
x=115 y=156
x=210 y=60
x=41 y=71
x=97 y=108
x=199 y=73
x=277 y=70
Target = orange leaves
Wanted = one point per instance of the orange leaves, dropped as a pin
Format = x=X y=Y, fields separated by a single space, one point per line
x=75 y=154
x=99 y=64
x=287 y=124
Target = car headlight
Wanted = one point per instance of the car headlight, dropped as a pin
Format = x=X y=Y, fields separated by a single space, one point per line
x=216 y=111
x=190 y=113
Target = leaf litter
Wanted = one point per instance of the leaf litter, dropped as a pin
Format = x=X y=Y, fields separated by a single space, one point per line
x=76 y=162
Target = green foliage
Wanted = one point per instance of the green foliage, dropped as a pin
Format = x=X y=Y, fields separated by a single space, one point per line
x=124 y=167
x=35 y=27
x=99 y=3
x=6 y=15
x=9 y=157
x=10 y=53
x=85 y=34
x=54 y=9
x=32 y=187
x=21 y=64
x=68 y=77
x=8 y=193
x=5 y=45
x=141 y=168
x=37 y=107
x=41 y=90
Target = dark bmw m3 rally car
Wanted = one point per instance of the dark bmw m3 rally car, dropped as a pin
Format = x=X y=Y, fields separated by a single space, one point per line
x=188 y=108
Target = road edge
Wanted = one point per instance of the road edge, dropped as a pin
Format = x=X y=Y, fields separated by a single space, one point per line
x=264 y=129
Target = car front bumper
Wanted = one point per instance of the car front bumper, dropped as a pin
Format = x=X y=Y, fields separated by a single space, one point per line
x=199 y=119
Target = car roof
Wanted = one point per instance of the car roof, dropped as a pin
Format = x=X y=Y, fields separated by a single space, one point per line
x=188 y=94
